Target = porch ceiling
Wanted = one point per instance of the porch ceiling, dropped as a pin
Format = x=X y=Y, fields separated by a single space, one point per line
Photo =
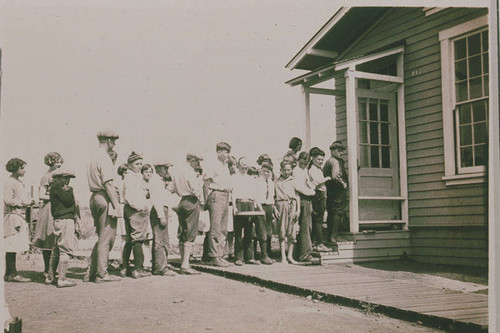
x=343 y=29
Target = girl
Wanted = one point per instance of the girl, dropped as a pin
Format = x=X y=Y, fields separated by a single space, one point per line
x=287 y=211
x=16 y=237
x=136 y=215
x=319 y=199
x=44 y=237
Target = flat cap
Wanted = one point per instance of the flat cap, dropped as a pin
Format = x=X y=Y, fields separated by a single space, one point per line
x=107 y=134
x=163 y=162
x=193 y=155
x=337 y=145
x=63 y=173
x=223 y=146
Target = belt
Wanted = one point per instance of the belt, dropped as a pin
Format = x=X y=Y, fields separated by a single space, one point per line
x=217 y=190
x=245 y=200
x=190 y=197
x=305 y=197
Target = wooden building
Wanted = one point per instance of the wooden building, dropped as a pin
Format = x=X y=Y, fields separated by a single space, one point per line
x=411 y=104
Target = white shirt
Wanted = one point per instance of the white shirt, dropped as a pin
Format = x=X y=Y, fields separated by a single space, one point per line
x=219 y=176
x=185 y=182
x=160 y=195
x=265 y=191
x=302 y=183
x=316 y=176
x=243 y=187
x=134 y=191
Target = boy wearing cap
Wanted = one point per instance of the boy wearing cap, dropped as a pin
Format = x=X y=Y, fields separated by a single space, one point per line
x=161 y=199
x=336 y=189
x=64 y=212
x=218 y=182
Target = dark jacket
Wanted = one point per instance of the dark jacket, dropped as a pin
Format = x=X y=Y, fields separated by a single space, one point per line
x=62 y=203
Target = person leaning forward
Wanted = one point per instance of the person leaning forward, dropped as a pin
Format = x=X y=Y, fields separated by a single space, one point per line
x=104 y=196
x=187 y=185
x=217 y=180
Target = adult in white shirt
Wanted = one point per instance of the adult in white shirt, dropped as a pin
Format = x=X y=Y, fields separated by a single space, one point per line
x=218 y=181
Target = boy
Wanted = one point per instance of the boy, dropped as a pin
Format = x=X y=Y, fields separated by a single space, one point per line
x=286 y=210
x=64 y=212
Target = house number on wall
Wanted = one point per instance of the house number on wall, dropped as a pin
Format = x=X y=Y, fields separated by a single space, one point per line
x=416 y=72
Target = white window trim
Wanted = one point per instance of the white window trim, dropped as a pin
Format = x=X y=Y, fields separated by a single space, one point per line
x=432 y=10
x=445 y=37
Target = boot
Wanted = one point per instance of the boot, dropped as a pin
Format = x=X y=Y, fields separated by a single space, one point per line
x=53 y=263
x=62 y=282
x=264 y=258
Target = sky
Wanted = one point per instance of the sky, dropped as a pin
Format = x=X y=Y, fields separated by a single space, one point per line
x=168 y=76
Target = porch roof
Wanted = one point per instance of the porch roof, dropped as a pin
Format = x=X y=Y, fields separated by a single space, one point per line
x=330 y=42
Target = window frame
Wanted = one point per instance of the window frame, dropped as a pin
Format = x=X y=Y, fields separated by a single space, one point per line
x=454 y=174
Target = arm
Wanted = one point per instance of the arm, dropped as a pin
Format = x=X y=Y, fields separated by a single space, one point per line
x=112 y=194
x=43 y=192
x=157 y=196
x=9 y=196
x=317 y=177
x=336 y=174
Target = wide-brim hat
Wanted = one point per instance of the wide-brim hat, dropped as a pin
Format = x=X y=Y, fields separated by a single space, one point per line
x=63 y=173
x=337 y=145
x=107 y=134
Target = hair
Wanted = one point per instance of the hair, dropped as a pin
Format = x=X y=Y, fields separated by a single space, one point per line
x=264 y=158
x=146 y=167
x=304 y=156
x=284 y=163
x=252 y=171
x=267 y=166
x=51 y=158
x=122 y=169
x=315 y=151
x=294 y=143
x=14 y=164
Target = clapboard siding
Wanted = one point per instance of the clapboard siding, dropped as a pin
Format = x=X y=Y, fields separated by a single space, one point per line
x=444 y=217
x=456 y=246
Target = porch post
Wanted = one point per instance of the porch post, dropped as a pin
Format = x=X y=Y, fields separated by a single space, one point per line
x=402 y=143
x=307 y=109
x=352 y=148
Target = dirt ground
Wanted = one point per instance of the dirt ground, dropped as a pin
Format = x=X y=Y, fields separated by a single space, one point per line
x=179 y=304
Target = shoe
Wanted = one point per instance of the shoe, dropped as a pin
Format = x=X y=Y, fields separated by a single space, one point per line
x=238 y=262
x=252 y=262
x=217 y=262
x=50 y=280
x=189 y=271
x=65 y=283
x=169 y=272
x=136 y=274
x=17 y=278
x=266 y=261
x=322 y=248
x=125 y=272
x=107 y=278
x=226 y=262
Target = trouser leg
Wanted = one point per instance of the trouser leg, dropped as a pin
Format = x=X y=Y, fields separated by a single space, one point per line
x=53 y=264
x=247 y=239
x=10 y=264
x=304 y=246
x=46 y=260
x=138 y=255
x=218 y=209
x=238 y=237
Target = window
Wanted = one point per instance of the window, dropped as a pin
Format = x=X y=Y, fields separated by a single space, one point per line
x=375 y=150
x=464 y=58
x=471 y=101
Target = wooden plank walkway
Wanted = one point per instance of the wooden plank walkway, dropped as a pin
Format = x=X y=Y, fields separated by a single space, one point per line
x=400 y=298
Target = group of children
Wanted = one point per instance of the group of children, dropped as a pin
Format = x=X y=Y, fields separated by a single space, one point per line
x=291 y=206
